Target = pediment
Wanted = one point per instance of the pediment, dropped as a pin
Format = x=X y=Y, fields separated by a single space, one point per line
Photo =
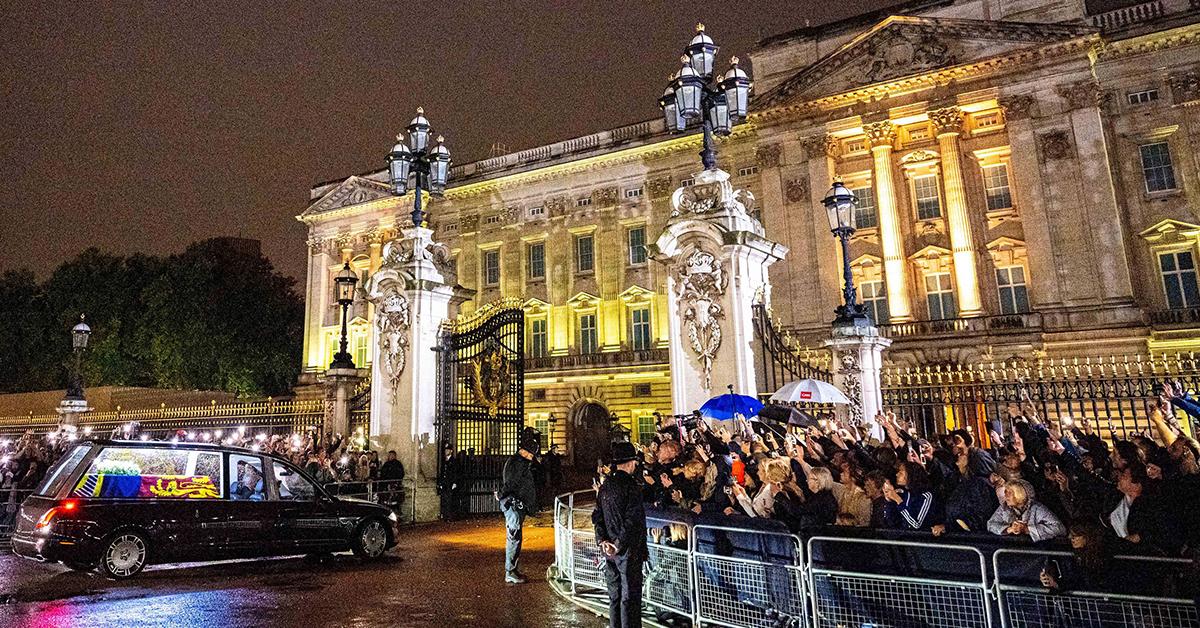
x=353 y=191
x=636 y=294
x=1170 y=231
x=903 y=46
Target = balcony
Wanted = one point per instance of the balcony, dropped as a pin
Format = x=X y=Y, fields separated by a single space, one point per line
x=594 y=360
x=1005 y=323
x=1134 y=14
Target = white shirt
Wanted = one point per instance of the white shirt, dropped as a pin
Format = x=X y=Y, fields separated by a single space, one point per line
x=1120 y=517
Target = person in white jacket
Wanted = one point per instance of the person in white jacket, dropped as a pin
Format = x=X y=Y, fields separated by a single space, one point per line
x=1020 y=514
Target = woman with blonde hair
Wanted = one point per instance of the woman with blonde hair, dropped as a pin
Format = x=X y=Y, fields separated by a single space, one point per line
x=773 y=473
x=1020 y=514
x=815 y=507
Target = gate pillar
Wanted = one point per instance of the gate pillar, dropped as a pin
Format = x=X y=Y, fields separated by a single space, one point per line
x=414 y=290
x=716 y=256
x=857 y=362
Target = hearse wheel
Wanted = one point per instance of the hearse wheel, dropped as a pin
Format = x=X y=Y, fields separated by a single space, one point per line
x=371 y=539
x=124 y=555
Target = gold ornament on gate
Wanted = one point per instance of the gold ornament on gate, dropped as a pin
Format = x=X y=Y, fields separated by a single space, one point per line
x=491 y=374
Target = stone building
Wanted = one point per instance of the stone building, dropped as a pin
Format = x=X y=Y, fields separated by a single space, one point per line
x=1028 y=186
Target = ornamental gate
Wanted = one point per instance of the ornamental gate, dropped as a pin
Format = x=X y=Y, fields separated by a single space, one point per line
x=481 y=404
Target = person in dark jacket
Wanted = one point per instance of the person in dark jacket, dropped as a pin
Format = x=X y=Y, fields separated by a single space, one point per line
x=391 y=474
x=619 y=520
x=518 y=497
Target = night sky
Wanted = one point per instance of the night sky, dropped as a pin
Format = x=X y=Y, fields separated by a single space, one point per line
x=146 y=126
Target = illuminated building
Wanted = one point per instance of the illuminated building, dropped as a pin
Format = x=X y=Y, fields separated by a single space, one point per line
x=1027 y=186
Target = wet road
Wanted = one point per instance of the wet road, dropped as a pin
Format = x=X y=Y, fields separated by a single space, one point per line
x=440 y=575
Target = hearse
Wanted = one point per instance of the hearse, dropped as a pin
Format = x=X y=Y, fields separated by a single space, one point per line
x=117 y=506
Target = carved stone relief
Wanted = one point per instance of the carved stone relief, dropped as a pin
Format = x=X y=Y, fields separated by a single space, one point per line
x=604 y=197
x=317 y=246
x=393 y=320
x=947 y=120
x=796 y=190
x=659 y=187
x=556 y=206
x=469 y=224
x=1185 y=87
x=820 y=146
x=852 y=385
x=699 y=283
x=1018 y=107
x=1081 y=95
x=880 y=133
x=1056 y=145
x=901 y=53
x=767 y=156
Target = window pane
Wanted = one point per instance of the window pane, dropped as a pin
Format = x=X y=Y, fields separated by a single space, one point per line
x=291 y=485
x=929 y=203
x=1021 y=298
x=1191 y=297
x=995 y=184
x=637 y=245
x=537 y=261
x=587 y=333
x=1157 y=168
x=1184 y=259
x=61 y=471
x=152 y=473
x=584 y=259
x=1173 y=289
x=491 y=267
x=641 y=328
x=864 y=213
x=1168 y=261
x=538 y=338
x=246 y=478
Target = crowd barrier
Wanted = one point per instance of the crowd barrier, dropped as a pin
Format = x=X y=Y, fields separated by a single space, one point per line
x=736 y=577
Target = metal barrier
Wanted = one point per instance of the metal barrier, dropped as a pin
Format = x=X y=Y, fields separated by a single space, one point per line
x=10 y=504
x=740 y=578
x=1024 y=604
x=853 y=597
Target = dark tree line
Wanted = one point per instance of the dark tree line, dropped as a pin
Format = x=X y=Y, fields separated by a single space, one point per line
x=215 y=317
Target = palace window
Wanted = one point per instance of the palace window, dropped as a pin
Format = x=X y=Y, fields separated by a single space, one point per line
x=585 y=258
x=361 y=339
x=1179 y=279
x=917 y=133
x=494 y=219
x=540 y=210
x=634 y=193
x=995 y=187
x=986 y=121
x=491 y=268
x=537 y=260
x=865 y=216
x=640 y=328
x=939 y=294
x=928 y=199
x=543 y=428
x=747 y=171
x=643 y=389
x=1142 y=97
x=588 y=343
x=874 y=300
x=646 y=429
x=538 y=338
x=855 y=145
x=1014 y=297
x=583 y=202
x=1157 y=168
x=637 y=245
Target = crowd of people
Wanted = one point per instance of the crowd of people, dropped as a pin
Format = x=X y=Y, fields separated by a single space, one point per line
x=1028 y=478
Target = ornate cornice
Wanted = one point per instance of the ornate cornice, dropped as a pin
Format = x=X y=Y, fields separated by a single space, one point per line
x=1082 y=94
x=822 y=145
x=1153 y=42
x=1185 y=87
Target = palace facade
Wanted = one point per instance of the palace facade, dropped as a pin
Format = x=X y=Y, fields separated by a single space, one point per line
x=1028 y=181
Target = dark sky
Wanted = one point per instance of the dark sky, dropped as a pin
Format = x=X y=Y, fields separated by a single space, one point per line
x=145 y=126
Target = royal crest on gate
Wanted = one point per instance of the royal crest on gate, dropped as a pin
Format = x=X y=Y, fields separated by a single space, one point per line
x=490 y=378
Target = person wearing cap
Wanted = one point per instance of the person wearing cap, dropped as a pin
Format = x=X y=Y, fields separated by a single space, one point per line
x=619 y=520
x=518 y=497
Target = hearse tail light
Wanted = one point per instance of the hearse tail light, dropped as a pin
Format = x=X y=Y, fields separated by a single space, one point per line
x=47 y=519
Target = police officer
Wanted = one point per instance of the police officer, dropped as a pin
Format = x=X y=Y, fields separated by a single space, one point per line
x=620 y=524
x=518 y=497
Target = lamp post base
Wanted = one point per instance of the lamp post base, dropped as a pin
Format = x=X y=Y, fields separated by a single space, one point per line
x=851 y=316
x=342 y=361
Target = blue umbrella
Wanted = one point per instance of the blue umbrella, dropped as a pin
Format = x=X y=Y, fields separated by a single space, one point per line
x=727 y=405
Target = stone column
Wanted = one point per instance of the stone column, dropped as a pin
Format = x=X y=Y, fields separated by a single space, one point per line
x=69 y=410
x=947 y=124
x=857 y=362
x=317 y=296
x=339 y=388
x=881 y=136
x=716 y=257
x=413 y=293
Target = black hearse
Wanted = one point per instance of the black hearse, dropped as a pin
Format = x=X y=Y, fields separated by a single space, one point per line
x=120 y=505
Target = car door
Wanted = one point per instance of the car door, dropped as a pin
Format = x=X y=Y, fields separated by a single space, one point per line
x=308 y=518
x=243 y=522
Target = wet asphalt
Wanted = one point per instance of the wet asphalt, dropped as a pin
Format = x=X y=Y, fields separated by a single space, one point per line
x=445 y=574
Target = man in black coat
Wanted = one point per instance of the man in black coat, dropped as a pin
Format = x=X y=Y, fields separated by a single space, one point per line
x=518 y=497
x=620 y=523
x=391 y=474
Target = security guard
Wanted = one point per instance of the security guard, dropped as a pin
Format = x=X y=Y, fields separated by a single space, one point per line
x=518 y=497
x=620 y=523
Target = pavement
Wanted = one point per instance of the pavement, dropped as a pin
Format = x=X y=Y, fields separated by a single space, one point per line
x=444 y=574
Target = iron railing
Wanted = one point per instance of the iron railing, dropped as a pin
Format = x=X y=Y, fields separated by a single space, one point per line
x=778 y=362
x=582 y=360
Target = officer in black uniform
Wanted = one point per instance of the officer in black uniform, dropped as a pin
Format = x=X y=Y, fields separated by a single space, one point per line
x=620 y=523
x=518 y=498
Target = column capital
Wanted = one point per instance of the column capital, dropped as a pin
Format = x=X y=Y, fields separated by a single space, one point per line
x=880 y=134
x=1081 y=94
x=946 y=121
x=1017 y=107
x=820 y=145
x=317 y=245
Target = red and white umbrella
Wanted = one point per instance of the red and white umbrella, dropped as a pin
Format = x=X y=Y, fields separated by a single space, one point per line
x=809 y=391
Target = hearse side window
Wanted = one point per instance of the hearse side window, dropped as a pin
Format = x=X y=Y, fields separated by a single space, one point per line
x=246 y=479
x=62 y=470
x=292 y=485
x=152 y=473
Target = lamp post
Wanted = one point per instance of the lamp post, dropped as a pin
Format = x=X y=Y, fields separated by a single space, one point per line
x=79 y=342
x=429 y=166
x=839 y=205
x=344 y=282
x=694 y=96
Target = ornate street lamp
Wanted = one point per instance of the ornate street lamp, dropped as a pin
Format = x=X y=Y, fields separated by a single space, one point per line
x=839 y=205
x=694 y=96
x=79 y=342
x=429 y=166
x=344 y=282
